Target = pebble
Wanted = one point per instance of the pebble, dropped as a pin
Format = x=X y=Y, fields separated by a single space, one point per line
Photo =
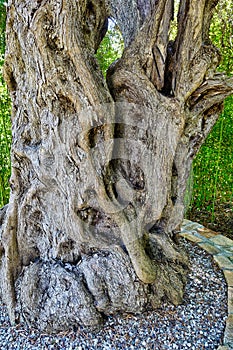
x=198 y=323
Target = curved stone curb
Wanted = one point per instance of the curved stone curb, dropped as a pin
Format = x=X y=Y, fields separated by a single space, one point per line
x=221 y=248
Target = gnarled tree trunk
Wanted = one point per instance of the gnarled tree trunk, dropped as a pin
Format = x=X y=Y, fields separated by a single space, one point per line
x=99 y=170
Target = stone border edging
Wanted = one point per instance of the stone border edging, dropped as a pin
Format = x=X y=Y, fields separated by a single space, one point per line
x=221 y=248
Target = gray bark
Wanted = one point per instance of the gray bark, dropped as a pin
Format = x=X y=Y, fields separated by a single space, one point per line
x=99 y=170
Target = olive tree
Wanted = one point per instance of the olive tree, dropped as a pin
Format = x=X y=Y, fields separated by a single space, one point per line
x=99 y=167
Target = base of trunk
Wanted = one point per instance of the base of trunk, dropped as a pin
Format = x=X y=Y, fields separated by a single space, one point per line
x=54 y=296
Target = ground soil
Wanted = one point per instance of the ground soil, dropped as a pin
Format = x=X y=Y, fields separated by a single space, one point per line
x=222 y=221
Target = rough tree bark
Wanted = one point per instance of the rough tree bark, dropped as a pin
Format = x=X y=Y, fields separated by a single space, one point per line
x=99 y=170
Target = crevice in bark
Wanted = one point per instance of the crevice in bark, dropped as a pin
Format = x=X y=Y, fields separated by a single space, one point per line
x=158 y=227
x=168 y=251
x=174 y=179
x=168 y=88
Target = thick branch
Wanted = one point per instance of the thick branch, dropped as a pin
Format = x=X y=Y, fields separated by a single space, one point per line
x=147 y=39
x=131 y=15
x=156 y=60
x=208 y=14
x=192 y=57
x=213 y=91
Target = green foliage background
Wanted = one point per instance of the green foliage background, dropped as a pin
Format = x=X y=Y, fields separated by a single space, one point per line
x=212 y=175
x=5 y=123
x=211 y=180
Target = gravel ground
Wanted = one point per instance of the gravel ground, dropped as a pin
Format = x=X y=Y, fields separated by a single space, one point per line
x=196 y=324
